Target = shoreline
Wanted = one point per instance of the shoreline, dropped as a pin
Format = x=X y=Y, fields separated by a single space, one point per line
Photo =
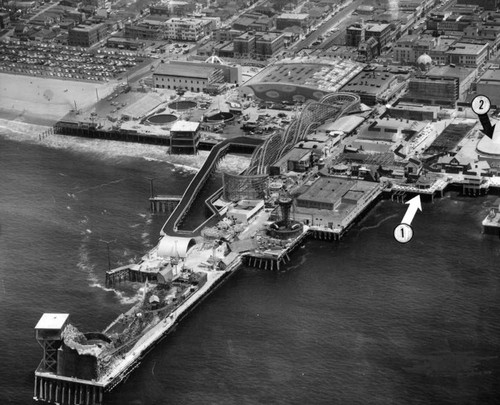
x=30 y=106
x=27 y=117
x=24 y=132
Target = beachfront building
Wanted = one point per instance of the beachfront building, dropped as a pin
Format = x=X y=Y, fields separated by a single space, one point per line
x=188 y=29
x=184 y=137
x=329 y=201
x=86 y=35
x=190 y=77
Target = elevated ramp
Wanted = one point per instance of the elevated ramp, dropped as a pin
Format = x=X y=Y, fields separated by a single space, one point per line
x=241 y=145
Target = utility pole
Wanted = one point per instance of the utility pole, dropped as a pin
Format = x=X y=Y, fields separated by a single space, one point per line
x=107 y=244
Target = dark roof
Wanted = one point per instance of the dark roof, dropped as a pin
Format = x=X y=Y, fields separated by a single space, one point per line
x=183 y=71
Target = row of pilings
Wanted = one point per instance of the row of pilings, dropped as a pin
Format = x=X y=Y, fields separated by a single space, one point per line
x=66 y=392
x=125 y=273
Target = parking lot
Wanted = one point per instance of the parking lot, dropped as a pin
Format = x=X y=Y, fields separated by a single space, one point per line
x=59 y=61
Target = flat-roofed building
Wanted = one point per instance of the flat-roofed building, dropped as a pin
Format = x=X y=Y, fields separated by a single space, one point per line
x=297 y=160
x=324 y=194
x=301 y=20
x=468 y=54
x=244 y=46
x=243 y=23
x=377 y=85
x=443 y=91
x=355 y=34
x=329 y=200
x=483 y=32
x=485 y=4
x=269 y=44
x=245 y=210
x=391 y=130
x=124 y=43
x=193 y=78
x=489 y=85
x=465 y=76
x=86 y=35
x=412 y=111
x=4 y=20
x=187 y=29
x=184 y=137
x=408 y=48
x=172 y=8
x=159 y=9
x=231 y=73
x=381 y=32
x=144 y=31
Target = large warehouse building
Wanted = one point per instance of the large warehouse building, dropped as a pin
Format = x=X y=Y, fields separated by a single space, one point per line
x=195 y=76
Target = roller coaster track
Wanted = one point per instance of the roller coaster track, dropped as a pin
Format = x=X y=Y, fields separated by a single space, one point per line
x=315 y=113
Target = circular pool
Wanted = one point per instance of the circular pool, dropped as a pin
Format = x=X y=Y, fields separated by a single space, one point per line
x=218 y=117
x=160 y=119
x=182 y=105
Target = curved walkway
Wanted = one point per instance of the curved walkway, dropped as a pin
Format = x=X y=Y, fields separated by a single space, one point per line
x=172 y=224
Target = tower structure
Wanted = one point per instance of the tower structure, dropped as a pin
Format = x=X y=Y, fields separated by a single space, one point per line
x=285 y=204
x=48 y=332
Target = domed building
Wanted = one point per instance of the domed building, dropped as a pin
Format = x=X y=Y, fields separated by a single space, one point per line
x=424 y=62
x=489 y=147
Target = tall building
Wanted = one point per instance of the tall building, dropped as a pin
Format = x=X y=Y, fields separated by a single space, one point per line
x=86 y=35
x=355 y=34
x=468 y=54
x=381 y=32
x=244 y=45
x=269 y=44
x=187 y=29
x=442 y=91
x=4 y=20
x=184 y=137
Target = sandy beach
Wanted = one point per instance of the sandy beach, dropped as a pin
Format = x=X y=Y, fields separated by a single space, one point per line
x=39 y=100
x=29 y=106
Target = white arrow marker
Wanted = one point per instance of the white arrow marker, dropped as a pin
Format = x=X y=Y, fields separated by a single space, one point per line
x=412 y=210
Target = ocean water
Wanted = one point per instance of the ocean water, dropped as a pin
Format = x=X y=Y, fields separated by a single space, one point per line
x=363 y=321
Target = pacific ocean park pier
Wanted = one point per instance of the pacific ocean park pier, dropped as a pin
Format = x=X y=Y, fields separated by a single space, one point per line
x=287 y=193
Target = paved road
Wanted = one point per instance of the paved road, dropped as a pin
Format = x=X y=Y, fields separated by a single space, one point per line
x=337 y=19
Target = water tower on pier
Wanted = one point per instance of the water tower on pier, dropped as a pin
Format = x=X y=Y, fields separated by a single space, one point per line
x=48 y=332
